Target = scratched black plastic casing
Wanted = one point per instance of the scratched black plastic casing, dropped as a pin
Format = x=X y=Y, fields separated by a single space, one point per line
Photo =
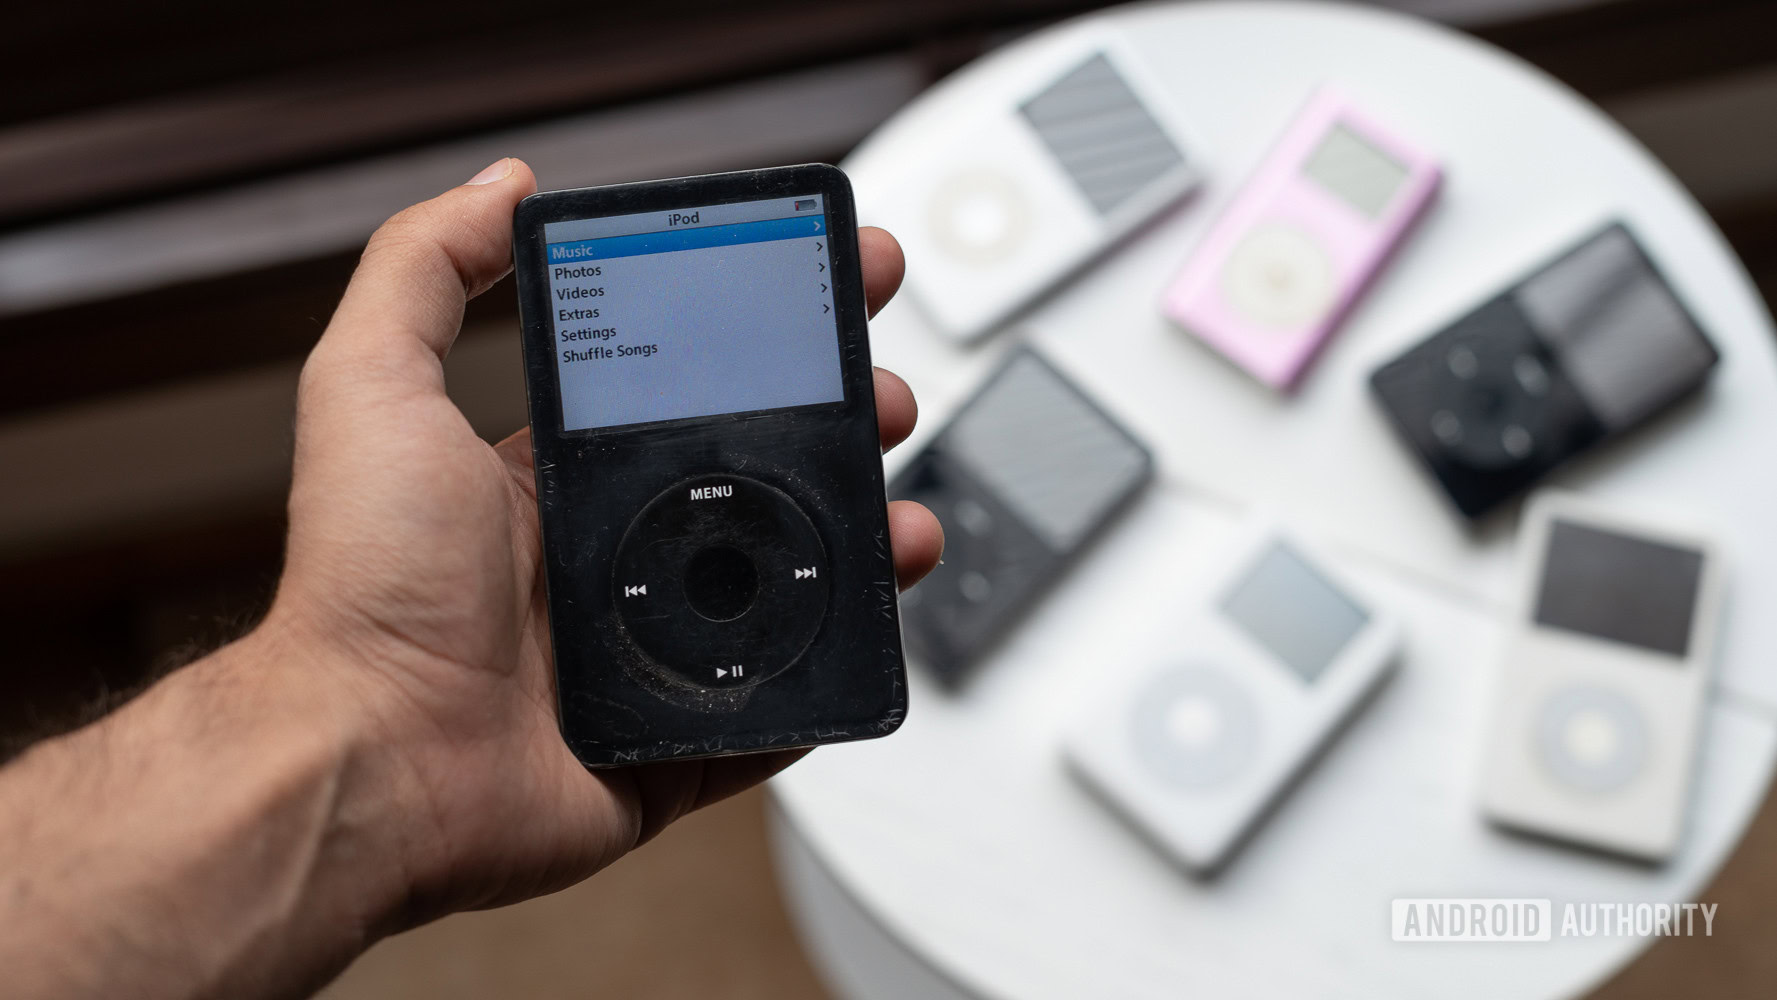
x=617 y=706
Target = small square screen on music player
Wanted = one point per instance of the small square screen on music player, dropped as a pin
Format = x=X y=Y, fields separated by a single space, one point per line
x=1356 y=171
x=1293 y=611
x=1619 y=587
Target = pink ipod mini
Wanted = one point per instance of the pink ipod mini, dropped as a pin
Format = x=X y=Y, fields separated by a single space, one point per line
x=1303 y=238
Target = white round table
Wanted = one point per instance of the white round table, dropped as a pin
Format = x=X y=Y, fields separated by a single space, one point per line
x=957 y=858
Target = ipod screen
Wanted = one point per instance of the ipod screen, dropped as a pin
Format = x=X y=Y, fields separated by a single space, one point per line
x=1046 y=452
x=1101 y=134
x=1355 y=170
x=1286 y=606
x=1619 y=587
x=1619 y=331
x=693 y=312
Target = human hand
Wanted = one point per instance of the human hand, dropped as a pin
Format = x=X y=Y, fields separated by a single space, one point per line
x=412 y=585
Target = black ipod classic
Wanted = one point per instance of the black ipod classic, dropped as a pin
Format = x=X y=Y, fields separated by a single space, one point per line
x=1587 y=347
x=709 y=474
x=1024 y=476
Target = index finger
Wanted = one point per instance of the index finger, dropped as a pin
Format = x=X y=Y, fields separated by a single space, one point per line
x=883 y=265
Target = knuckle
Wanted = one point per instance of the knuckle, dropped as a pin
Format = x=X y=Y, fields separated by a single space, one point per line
x=418 y=239
x=402 y=233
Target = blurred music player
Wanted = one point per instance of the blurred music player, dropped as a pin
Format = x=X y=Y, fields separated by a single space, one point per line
x=1026 y=474
x=1599 y=700
x=1023 y=193
x=1245 y=682
x=1306 y=235
x=1585 y=348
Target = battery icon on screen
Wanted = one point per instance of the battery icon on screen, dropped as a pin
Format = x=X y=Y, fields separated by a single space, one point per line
x=805 y=204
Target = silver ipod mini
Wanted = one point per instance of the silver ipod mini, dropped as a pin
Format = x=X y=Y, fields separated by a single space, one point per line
x=1600 y=694
x=1268 y=657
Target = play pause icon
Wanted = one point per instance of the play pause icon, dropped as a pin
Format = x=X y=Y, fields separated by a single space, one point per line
x=734 y=671
x=805 y=574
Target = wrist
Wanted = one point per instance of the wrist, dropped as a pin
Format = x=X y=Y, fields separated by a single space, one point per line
x=210 y=837
x=326 y=731
x=384 y=843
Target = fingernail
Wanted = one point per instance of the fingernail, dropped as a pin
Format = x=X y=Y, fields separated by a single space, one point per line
x=500 y=169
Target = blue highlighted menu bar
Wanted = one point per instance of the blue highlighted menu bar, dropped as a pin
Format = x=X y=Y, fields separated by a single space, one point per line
x=670 y=240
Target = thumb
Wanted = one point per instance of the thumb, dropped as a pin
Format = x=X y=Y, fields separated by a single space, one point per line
x=404 y=306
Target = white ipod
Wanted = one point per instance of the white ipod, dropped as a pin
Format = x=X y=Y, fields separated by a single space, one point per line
x=1072 y=153
x=1273 y=652
x=1600 y=693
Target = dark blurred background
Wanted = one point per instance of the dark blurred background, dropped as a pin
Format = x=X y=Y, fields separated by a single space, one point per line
x=183 y=188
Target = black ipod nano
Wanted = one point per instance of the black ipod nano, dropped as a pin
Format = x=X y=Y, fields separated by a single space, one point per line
x=709 y=474
x=1026 y=474
x=1589 y=346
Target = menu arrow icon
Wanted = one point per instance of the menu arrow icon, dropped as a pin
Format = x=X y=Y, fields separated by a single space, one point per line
x=823 y=286
x=821 y=266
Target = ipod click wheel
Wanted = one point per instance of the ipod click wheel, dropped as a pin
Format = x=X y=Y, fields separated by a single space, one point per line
x=1599 y=699
x=1587 y=347
x=1271 y=654
x=1024 y=192
x=1289 y=257
x=1026 y=474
